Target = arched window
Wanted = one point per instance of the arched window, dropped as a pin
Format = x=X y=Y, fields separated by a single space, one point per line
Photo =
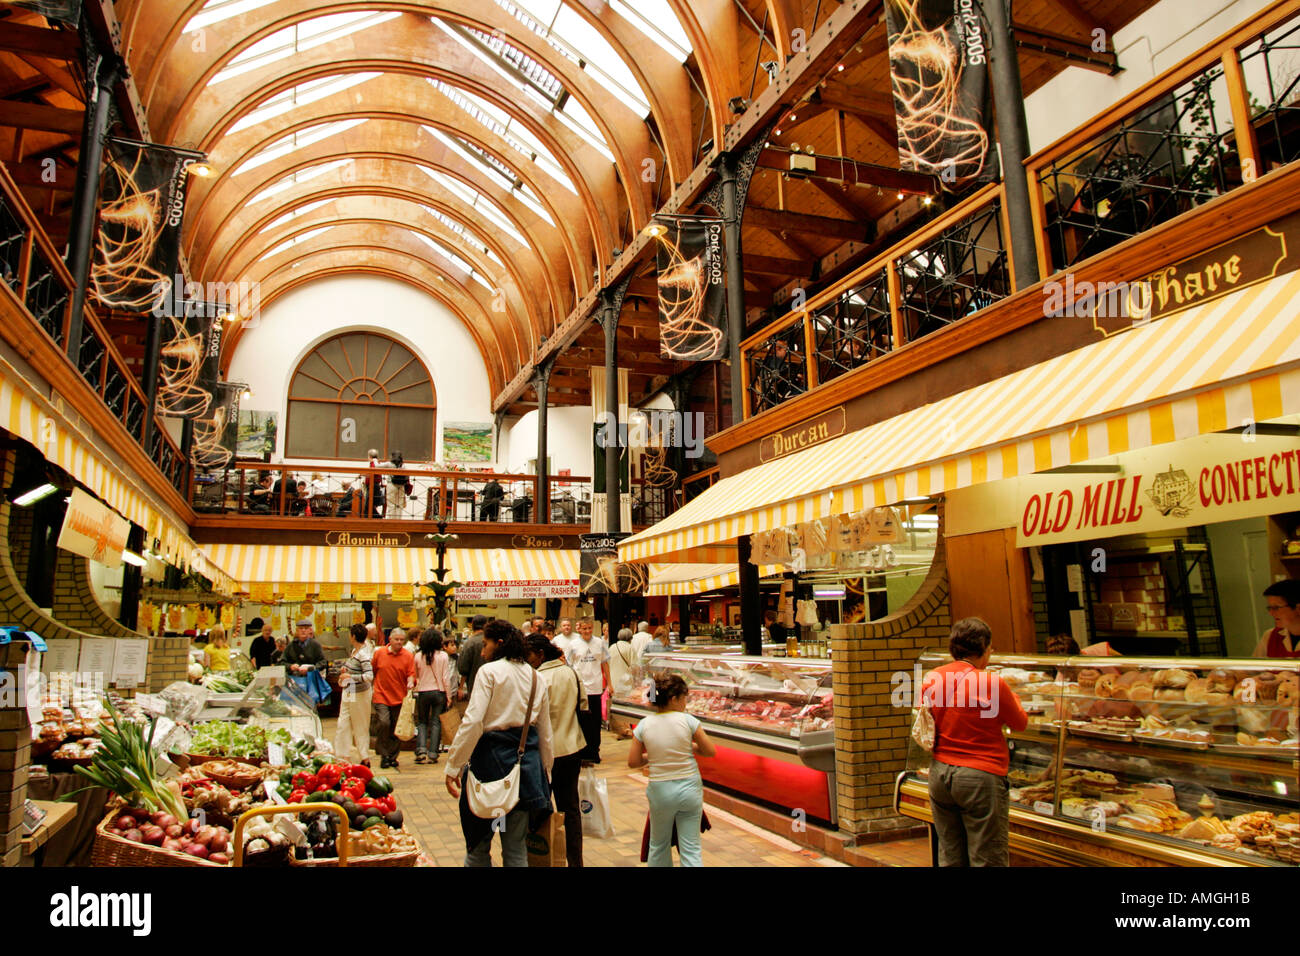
x=357 y=391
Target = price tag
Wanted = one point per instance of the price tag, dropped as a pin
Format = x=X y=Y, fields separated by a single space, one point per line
x=272 y=793
x=1043 y=807
x=292 y=830
x=275 y=755
x=164 y=768
x=32 y=817
x=125 y=683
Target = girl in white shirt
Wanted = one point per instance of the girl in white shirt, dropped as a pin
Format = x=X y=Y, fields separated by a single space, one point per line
x=669 y=742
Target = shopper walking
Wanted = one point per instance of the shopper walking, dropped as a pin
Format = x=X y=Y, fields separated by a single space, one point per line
x=356 y=678
x=968 y=775
x=394 y=678
x=217 y=655
x=432 y=690
x=640 y=639
x=669 y=741
x=488 y=743
x=397 y=485
x=622 y=658
x=567 y=699
x=471 y=652
x=590 y=658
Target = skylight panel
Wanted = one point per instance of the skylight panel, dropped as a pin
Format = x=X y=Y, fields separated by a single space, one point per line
x=602 y=62
x=301 y=176
x=455 y=260
x=480 y=203
x=300 y=37
x=579 y=120
x=301 y=95
x=296 y=141
x=458 y=227
x=655 y=19
x=500 y=169
x=214 y=11
x=296 y=240
x=294 y=214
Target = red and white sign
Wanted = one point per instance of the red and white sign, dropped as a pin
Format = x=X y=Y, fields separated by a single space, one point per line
x=515 y=590
x=92 y=530
x=1197 y=482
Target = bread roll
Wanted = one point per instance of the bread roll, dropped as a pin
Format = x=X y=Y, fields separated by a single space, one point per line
x=1287 y=694
x=1268 y=684
x=1088 y=679
x=1105 y=686
x=1174 y=677
x=1221 y=681
x=1197 y=690
x=1140 y=692
x=1170 y=693
x=1128 y=678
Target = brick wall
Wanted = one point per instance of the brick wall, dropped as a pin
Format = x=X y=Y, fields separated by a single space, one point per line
x=78 y=612
x=15 y=758
x=871 y=735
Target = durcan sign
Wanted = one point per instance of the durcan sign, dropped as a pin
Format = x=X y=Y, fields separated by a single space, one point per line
x=1239 y=480
x=93 y=530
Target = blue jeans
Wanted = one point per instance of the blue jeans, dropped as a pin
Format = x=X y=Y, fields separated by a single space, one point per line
x=679 y=802
x=429 y=706
x=514 y=852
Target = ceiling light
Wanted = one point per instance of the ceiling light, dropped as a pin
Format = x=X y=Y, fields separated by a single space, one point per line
x=35 y=495
x=655 y=229
x=901 y=197
x=839 y=68
x=130 y=557
x=925 y=500
x=248 y=392
x=202 y=169
x=927 y=201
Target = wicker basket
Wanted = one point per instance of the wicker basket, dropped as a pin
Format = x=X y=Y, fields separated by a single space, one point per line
x=197 y=759
x=381 y=859
x=112 y=850
x=229 y=781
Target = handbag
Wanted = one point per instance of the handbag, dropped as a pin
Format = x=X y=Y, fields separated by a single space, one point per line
x=923 y=727
x=496 y=798
x=405 y=729
x=450 y=720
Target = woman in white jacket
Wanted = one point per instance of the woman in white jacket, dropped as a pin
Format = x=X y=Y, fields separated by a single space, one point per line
x=352 y=738
x=567 y=697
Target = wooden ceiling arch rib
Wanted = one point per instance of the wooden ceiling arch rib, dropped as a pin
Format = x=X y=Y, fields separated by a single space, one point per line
x=391 y=208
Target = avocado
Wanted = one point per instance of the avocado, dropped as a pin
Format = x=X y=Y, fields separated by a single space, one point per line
x=372 y=822
x=394 y=819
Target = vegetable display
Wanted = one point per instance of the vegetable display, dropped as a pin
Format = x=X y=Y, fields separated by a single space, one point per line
x=167 y=832
x=223 y=738
x=125 y=765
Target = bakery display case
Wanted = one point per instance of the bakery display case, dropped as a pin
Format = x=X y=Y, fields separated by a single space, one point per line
x=269 y=704
x=1136 y=761
x=772 y=718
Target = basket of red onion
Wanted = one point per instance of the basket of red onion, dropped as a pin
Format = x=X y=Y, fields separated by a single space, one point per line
x=136 y=837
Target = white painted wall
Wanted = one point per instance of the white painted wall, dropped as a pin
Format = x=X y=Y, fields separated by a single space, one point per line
x=568 y=437
x=1151 y=44
x=291 y=326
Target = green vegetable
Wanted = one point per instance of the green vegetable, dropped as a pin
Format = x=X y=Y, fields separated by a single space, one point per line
x=372 y=822
x=319 y=797
x=125 y=765
x=379 y=787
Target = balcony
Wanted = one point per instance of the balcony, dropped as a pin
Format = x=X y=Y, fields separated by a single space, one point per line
x=36 y=290
x=1104 y=201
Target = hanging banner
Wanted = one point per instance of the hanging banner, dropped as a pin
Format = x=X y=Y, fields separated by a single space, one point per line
x=93 y=530
x=599 y=569
x=329 y=592
x=66 y=11
x=190 y=359
x=365 y=592
x=403 y=592
x=216 y=432
x=692 y=290
x=938 y=64
x=142 y=205
x=261 y=594
x=227 y=616
x=406 y=617
x=294 y=593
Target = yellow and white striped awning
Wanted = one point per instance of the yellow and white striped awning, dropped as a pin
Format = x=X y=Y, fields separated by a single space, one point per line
x=36 y=421
x=275 y=564
x=1209 y=368
x=683 y=580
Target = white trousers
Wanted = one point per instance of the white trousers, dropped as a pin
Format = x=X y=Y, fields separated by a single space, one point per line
x=352 y=738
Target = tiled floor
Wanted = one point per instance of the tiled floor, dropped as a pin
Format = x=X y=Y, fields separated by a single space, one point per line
x=432 y=815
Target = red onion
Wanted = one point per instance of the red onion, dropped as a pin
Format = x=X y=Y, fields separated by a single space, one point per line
x=218 y=858
x=135 y=836
x=197 y=849
x=153 y=835
x=124 y=822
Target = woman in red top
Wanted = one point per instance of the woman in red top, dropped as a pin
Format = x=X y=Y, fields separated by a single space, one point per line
x=968 y=777
x=1283 y=640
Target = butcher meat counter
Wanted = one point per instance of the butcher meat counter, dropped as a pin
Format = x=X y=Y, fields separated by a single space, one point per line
x=1146 y=761
x=771 y=718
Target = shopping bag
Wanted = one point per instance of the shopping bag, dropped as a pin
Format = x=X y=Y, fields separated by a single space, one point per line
x=450 y=724
x=546 y=843
x=593 y=800
x=405 y=729
x=923 y=728
x=604 y=705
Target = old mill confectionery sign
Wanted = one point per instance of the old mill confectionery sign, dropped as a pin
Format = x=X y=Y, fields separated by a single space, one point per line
x=808 y=433
x=1194 y=482
x=93 y=531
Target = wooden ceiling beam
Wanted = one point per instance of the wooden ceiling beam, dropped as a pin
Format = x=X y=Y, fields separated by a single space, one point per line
x=780 y=220
x=40 y=41
x=850 y=172
x=50 y=119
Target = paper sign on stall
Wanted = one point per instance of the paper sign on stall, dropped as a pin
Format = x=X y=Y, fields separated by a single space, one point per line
x=96 y=656
x=294 y=592
x=330 y=592
x=260 y=593
x=403 y=592
x=365 y=592
x=129 y=662
x=61 y=656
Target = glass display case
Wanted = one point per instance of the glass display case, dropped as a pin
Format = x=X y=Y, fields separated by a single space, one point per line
x=771 y=717
x=268 y=703
x=1179 y=760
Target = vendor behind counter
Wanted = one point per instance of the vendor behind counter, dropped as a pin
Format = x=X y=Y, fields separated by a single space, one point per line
x=1283 y=639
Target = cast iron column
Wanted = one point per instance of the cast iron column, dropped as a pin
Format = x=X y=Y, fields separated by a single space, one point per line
x=1013 y=135
x=613 y=487
x=152 y=349
x=731 y=213
x=542 y=383
x=85 y=200
x=128 y=615
x=749 y=598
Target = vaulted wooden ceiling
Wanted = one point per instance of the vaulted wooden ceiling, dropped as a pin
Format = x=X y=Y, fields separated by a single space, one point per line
x=497 y=154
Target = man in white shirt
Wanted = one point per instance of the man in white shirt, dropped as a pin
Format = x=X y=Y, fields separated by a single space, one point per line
x=641 y=638
x=589 y=656
x=565 y=636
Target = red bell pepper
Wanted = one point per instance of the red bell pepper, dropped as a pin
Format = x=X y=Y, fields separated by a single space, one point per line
x=329 y=775
x=305 y=781
x=360 y=771
x=371 y=807
x=389 y=803
x=298 y=796
x=353 y=787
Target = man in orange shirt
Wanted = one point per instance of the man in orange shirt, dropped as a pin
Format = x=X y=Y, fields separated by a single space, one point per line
x=968 y=776
x=394 y=668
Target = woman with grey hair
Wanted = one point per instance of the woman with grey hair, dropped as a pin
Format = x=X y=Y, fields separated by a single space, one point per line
x=621 y=661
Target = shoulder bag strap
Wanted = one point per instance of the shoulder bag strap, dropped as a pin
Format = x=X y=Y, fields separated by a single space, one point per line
x=528 y=714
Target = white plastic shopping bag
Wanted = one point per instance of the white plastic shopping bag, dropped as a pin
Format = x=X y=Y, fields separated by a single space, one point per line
x=593 y=799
